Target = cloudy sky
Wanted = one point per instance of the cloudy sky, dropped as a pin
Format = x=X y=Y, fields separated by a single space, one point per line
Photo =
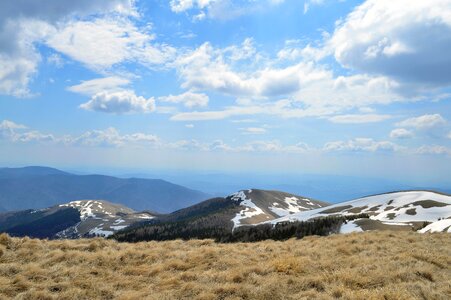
x=314 y=86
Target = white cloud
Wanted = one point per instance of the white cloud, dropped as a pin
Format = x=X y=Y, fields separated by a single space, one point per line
x=26 y=22
x=433 y=150
x=121 y=41
x=16 y=133
x=33 y=136
x=359 y=119
x=189 y=125
x=112 y=137
x=189 y=99
x=207 y=68
x=178 y=6
x=401 y=133
x=307 y=85
x=423 y=122
x=8 y=128
x=220 y=9
x=120 y=102
x=406 y=40
x=309 y=3
x=94 y=86
x=56 y=60
x=361 y=145
x=253 y=130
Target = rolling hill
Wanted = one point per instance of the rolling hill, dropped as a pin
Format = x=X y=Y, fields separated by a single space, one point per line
x=220 y=216
x=41 y=187
x=77 y=219
x=396 y=211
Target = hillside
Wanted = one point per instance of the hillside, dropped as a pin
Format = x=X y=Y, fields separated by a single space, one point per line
x=220 y=216
x=39 y=187
x=396 y=211
x=87 y=218
x=370 y=265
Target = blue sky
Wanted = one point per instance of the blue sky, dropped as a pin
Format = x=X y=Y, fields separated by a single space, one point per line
x=316 y=86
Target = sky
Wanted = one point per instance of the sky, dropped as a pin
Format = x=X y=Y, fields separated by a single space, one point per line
x=285 y=86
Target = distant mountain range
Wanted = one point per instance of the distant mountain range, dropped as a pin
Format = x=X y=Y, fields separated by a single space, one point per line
x=41 y=187
x=256 y=214
x=246 y=215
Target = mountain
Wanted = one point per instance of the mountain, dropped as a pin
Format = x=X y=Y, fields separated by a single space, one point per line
x=83 y=218
x=396 y=211
x=40 y=187
x=220 y=216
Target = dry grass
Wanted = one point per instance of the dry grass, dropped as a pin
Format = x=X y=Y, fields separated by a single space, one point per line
x=371 y=265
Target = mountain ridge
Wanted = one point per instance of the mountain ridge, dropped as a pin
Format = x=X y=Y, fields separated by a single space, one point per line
x=41 y=187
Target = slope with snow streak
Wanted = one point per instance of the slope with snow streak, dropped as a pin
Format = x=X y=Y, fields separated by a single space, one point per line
x=260 y=206
x=100 y=218
x=392 y=209
x=438 y=226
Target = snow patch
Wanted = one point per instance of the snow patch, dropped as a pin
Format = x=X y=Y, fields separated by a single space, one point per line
x=118 y=227
x=98 y=231
x=438 y=226
x=293 y=206
x=349 y=227
x=249 y=211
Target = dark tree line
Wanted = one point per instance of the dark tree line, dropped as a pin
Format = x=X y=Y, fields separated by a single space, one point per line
x=217 y=228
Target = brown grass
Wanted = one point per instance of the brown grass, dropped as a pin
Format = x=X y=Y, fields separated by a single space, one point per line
x=370 y=265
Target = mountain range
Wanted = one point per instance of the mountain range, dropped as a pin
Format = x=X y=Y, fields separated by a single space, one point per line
x=49 y=203
x=41 y=187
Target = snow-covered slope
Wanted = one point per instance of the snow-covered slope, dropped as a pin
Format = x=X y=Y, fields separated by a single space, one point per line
x=256 y=206
x=101 y=218
x=404 y=210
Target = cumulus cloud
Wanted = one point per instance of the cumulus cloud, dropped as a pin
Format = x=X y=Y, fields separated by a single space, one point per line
x=361 y=145
x=401 y=133
x=423 y=122
x=208 y=68
x=406 y=40
x=25 y=22
x=188 y=99
x=120 y=102
x=18 y=133
x=359 y=119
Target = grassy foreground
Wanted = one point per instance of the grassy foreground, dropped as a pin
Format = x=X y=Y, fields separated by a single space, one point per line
x=370 y=265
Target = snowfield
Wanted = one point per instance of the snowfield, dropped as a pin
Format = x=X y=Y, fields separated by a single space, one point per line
x=260 y=205
x=399 y=208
